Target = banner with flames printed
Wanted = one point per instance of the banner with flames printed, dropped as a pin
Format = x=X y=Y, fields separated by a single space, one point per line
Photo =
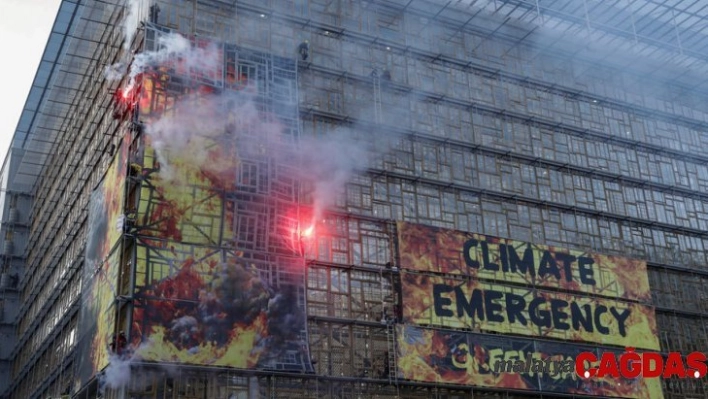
x=457 y=357
x=431 y=249
x=214 y=284
x=100 y=270
x=469 y=303
x=220 y=308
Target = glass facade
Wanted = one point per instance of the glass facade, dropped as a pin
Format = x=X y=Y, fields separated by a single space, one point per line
x=483 y=118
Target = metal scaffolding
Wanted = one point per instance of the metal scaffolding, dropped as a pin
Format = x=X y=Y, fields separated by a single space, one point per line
x=500 y=124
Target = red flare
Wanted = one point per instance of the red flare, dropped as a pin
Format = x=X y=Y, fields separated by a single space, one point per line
x=308 y=232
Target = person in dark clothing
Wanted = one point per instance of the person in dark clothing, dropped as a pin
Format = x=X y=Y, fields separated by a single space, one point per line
x=118 y=343
x=304 y=50
x=154 y=13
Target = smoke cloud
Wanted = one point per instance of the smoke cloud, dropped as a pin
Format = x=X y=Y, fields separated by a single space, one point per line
x=115 y=71
x=173 y=48
x=131 y=21
x=234 y=120
x=117 y=374
x=176 y=48
x=330 y=163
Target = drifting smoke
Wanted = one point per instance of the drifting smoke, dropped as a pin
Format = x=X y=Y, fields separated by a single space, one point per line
x=114 y=72
x=117 y=374
x=173 y=47
x=130 y=24
x=170 y=47
x=175 y=135
x=327 y=162
x=330 y=163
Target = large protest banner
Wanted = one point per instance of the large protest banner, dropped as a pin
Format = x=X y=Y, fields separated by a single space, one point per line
x=198 y=297
x=101 y=267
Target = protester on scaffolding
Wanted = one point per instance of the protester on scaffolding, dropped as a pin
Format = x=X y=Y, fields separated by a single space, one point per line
x=119 y=343
x=304 y=50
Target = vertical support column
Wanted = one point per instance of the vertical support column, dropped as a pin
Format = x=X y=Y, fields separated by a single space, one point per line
x=538 y=11
x=377 y=95
x=587 y=15
x=392 y=353
x=634 y=26
x=253 y=388
x=678 y=36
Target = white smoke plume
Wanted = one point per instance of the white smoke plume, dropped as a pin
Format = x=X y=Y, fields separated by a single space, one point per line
x=183 y=133
x=131 y=21
x=115 y=71
x=176 y=48
x=117 y=374
x=330 y=162
x=171 y=47
x=327 y=162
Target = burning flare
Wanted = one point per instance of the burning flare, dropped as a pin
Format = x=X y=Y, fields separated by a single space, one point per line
x=308 y=232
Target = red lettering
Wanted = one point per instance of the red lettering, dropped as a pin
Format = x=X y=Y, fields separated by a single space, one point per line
x=650 y=359
x=674 y=366
x=647 y=365
x=580 y=360
x=608 y=365
x=630 y=364
x=696 y=362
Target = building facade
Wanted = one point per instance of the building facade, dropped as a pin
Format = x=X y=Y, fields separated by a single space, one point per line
x=240 y=199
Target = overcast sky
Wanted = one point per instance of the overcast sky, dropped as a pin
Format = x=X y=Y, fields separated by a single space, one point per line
x=24 y=30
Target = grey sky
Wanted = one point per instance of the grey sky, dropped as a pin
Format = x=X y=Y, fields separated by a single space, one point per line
x=24 y=30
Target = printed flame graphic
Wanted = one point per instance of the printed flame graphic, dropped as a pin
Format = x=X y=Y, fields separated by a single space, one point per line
x=429 y=356
x=199 y=298
x=241 y=350
x=446 y=356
